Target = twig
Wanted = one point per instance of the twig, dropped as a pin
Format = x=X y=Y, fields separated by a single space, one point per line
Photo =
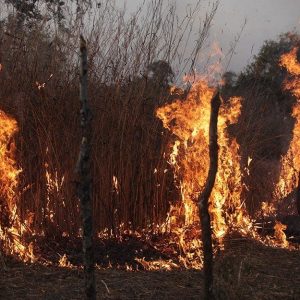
x=107 y=289
x=240 y=272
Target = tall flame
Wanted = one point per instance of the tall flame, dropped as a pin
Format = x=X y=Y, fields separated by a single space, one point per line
x=290 y=62
x=291 y=161
x=8 y=169
x=188 y=120
x=11 y=228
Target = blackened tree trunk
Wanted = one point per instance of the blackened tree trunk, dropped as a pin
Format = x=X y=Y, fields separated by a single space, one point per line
x=83 y=169
x=204 y=198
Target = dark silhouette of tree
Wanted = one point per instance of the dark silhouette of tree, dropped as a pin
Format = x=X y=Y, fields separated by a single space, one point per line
x=29 y=10
x=161 y=73
x=265 y=127
x=229 y=78
x=265 y=68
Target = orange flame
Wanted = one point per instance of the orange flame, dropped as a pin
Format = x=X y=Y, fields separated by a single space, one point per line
x=279 y=235
x=188 y=120
x=291 y=161
x=11 y=228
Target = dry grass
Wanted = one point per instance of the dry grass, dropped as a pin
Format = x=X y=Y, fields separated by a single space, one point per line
x=249 y=270
x=128 y=144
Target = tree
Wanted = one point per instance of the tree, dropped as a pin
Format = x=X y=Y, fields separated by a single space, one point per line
x=265 y=67
x=161 y=73
x=265 y=126
x=204 y=198
x=29 y=9
x=83 y=169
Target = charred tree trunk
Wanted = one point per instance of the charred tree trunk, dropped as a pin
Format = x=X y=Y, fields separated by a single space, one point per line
x=204 y=198
x=83 y=170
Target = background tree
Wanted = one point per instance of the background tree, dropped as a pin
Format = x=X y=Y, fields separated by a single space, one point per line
x=265 y=126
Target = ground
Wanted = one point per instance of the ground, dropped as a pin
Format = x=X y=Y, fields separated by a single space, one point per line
x=249 y=270
x=244 y=270
x=38 y=282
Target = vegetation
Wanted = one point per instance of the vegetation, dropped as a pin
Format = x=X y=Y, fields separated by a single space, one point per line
x=134 y=62
x=131 y=67
x=266 y=124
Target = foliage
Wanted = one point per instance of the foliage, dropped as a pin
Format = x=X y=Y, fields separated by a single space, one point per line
x=265 y=127
x=265 y=66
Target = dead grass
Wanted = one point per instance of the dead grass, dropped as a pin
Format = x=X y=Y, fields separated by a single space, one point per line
x=128 y=144
x=244 y=270
x=249 y=270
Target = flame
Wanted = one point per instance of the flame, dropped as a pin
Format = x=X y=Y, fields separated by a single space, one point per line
x=268 y=209
x=115 y=184
x=279 y=235
x=11 y=228
x=290 y=163
x=188 y=120
x=289 y=61
x=54 y=187
x=156 y=265
x=64 y=262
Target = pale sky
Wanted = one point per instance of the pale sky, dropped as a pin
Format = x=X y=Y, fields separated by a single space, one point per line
x=266 y=19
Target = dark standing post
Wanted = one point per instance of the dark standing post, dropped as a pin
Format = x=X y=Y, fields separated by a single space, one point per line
x=84 y=172
x=204 y=198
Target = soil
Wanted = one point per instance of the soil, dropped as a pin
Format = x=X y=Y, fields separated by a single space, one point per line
x=246 y=269
x=22 y=281
x=249 y=270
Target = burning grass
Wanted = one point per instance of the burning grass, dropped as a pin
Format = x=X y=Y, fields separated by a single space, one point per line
x=175 y=242
x=148 y=171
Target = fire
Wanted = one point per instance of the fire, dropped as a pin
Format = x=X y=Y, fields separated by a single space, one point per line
x=157 y=265
x=291 y=161
x=64 y=262
x=8 y=169
x=289 y=61
x=188 y=120
x=279 y=235
x=54 y=186
x=11 y=228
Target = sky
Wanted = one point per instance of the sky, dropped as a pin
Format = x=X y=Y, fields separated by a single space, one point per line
x=265 y=20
